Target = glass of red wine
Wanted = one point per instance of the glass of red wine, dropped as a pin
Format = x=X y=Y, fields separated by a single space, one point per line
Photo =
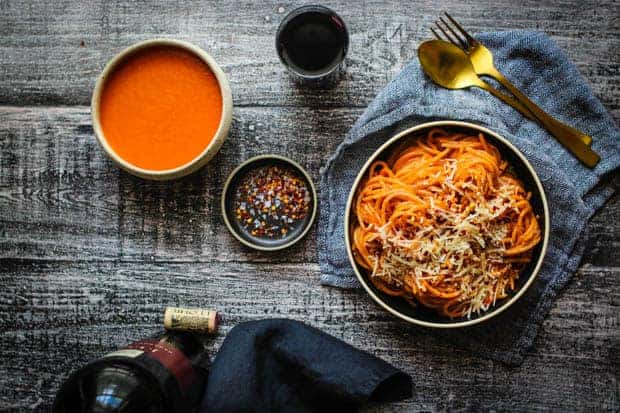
x=312 y=42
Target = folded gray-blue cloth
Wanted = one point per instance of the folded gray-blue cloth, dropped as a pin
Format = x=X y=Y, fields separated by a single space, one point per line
x=535 y=64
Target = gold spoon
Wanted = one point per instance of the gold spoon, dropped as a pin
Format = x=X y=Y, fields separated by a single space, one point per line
x=482 y=60
x=450 y=67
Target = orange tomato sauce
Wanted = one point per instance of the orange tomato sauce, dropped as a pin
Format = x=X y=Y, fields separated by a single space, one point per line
x=160 y=108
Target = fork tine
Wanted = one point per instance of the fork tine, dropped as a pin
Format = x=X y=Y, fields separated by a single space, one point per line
x=436 y=35
x=460 y=28
x=448 y=36
x=462 y=42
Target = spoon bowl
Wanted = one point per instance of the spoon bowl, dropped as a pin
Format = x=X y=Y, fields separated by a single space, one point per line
x=448 y=66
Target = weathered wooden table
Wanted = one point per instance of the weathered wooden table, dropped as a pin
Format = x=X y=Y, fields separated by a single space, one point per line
x=89 y=255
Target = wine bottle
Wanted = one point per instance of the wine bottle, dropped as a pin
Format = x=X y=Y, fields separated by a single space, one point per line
x=166 y=373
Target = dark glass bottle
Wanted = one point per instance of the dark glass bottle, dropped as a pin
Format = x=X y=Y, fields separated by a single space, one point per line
x=164 y=374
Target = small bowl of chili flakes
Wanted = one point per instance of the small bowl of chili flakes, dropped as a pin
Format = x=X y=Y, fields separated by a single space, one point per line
x=269 y=202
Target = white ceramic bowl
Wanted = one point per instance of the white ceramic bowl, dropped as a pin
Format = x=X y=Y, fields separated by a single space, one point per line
x=523 y=169
x=213 y=146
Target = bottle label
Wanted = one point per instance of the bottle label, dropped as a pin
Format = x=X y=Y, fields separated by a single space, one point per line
x=170 y=357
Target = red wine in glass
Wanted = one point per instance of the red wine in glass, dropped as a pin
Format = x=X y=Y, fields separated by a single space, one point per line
x=312 y=42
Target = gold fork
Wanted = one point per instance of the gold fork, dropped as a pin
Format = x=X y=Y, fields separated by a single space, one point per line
x=482 y=60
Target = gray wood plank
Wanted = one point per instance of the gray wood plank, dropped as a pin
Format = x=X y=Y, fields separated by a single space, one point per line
x=62 y=314
x=61 y=198
x=51 y=52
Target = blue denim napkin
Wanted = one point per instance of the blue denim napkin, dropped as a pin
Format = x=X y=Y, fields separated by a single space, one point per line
x=535 y=64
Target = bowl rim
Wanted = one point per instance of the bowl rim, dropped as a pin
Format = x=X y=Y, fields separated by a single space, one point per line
x=218 y=138
x=360 y=176
x=232 y=176
x=296 y=13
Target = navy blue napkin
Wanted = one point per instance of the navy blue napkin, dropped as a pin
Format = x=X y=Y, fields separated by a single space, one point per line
x=280 y=365
x=535 y=64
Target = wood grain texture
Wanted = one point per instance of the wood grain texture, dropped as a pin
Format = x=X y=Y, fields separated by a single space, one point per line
x=51 y=52
x=61 y=314
x=89 y=255
x=65 y=200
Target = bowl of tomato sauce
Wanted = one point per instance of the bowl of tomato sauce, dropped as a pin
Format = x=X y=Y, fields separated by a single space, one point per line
x=161 y=109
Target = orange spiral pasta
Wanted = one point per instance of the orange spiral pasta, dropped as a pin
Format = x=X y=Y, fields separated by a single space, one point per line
x=443 y=223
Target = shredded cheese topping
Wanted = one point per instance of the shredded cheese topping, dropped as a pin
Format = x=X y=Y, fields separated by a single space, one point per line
x=444 y=224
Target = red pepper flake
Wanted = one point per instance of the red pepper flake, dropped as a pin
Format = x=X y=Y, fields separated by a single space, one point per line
x=272 y=200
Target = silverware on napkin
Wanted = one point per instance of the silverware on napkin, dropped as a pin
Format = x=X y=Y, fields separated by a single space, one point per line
x=458 y=64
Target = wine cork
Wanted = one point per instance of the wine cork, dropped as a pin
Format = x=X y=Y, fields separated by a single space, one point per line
x=196 y=320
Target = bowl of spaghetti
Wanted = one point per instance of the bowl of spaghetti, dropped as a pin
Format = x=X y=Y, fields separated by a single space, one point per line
x=446 y=224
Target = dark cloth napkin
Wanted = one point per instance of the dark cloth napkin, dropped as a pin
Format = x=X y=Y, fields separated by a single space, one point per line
x=283 y=365
x=539 y=68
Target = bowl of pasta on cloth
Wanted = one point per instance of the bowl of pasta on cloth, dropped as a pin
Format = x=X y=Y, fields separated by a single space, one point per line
x=446 y=224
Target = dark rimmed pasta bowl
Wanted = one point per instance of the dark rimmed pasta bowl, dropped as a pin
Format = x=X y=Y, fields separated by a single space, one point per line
x=519 y=166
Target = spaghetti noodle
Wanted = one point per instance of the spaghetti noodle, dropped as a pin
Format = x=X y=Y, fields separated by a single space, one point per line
x=444 y=224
